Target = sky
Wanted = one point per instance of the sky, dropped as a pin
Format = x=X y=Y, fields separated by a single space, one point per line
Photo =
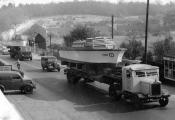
x=17 y=2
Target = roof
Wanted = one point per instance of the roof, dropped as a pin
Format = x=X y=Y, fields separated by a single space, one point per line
x=9 y=72
x=3 y=62
x=141 y=67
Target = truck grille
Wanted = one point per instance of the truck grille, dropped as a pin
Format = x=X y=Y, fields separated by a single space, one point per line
x=156 y=89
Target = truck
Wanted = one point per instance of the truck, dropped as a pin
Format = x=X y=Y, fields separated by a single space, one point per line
x=20 y=52
x=127 y=79
x=138 y=83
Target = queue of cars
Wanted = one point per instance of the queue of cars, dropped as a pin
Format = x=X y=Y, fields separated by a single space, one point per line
x=14 y=80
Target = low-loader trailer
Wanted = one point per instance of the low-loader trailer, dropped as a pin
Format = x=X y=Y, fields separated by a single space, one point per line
x=138 y=83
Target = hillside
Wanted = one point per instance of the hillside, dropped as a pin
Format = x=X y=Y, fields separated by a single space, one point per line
x=14 y=15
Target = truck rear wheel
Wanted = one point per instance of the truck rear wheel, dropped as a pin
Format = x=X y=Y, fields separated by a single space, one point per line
x=163 y=101
x=72 y=79
x=69 y=78
x=114 y=93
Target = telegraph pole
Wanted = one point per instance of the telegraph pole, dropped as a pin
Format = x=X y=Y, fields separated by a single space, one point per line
x=50 y=42
x=112 y=22
x=146 y=30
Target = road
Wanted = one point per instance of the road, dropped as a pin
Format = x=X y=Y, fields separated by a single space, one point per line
x=54 y=99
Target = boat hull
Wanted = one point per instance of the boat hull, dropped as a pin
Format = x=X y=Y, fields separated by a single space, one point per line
x=93 y=56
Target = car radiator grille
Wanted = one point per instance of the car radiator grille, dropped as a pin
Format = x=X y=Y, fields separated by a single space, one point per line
x=156 y=89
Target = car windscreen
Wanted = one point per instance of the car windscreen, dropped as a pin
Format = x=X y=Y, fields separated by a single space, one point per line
x=52 y=59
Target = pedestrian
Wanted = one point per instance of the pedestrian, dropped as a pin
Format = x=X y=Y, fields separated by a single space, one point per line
x=18 y=64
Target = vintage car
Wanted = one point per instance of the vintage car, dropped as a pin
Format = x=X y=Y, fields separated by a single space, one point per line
x=50 y=63
x=13 y=81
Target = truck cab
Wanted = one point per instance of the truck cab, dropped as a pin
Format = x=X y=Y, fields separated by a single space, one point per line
x=142 y=80
x=140 y=77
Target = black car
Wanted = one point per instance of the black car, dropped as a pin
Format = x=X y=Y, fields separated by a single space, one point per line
x=50 y=63
x=12 y=80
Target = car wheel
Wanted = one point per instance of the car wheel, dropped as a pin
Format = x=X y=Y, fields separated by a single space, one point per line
x=2 y=89
x=28 y=89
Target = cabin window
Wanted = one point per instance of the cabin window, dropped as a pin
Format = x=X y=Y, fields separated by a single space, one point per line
x=140 y=74
x=151 y=73
x=128 y=74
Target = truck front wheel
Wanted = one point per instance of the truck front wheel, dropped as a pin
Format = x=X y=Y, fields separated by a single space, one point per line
x=136 y=101
x=114 y=93
x=163 y=101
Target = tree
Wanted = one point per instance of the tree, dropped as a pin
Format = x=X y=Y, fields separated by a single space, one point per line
x=79 y=33
x=134 y=49
x=162 y=47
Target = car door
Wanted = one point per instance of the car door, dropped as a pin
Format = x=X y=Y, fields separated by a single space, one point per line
x=5 y=80
x=16 y=82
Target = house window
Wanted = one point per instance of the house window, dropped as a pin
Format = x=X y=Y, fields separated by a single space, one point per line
x=166 y=63
x=170 y=65
x=173 y=65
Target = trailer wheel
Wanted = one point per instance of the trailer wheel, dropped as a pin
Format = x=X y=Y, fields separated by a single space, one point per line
x=69 y=78
x=114 y=93
x=163 y=101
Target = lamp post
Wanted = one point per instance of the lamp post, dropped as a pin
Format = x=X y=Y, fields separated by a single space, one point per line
x=146 y=30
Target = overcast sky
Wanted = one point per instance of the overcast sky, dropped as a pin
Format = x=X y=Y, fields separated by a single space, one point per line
x=2 y=2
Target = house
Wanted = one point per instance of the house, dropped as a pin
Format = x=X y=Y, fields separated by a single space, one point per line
x=169 y=65
x=37 y=34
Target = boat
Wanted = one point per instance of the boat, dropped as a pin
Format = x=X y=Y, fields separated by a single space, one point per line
x=93 y=50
